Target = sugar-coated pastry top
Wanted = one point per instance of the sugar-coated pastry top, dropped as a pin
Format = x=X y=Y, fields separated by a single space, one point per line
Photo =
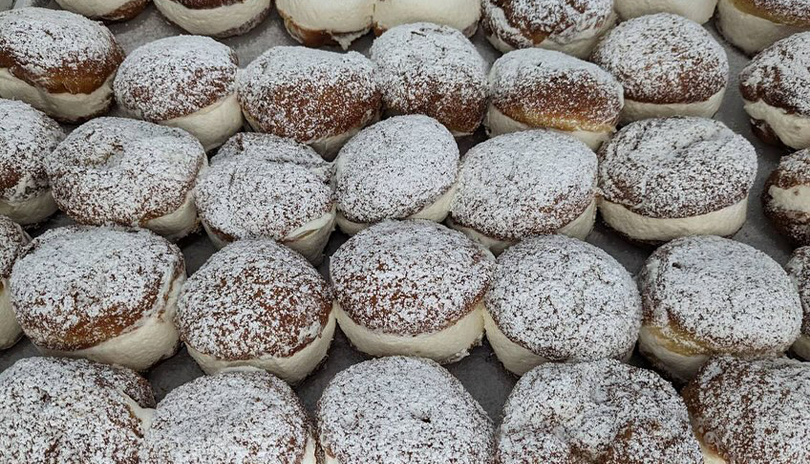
x=790 y=12
x=798 y=268
x=401 y=410
x=175 y=77
x=12 y=242
x=564 y=299
x=676 y=167
x=552 y=89
x=432 y=69
x=236 y=416
x=395 y=168
x=527 y=23
x=756 y=412
x=524 y=183
x=253 y=298
x=66 y=411
x=602 y=411
x=717 y=294
x=409 y=278
x=260 y=185
x=308 y=94
x=123 y=171
x=780 y=75
x=57 y=50
x=26 y=136
x=77 y=286
x=792 y=171
x=664 y=58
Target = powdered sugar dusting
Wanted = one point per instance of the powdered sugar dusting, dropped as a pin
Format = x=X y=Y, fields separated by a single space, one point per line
x=65 y=411
x=234 y=417
x=401 y=410
x=524 y=183
x=175 y=76
x=780 y=75
x=253 y=298
x=727 y=296
x=799 y=270
x=676 y=167
x=76 y=287
x=792 y=12
x=26 y=135
x=409 y=278
x=395 y=168
x=663 y=58
x=602 y=411
x=12 y=241
x=565 y=300
x=754 y=412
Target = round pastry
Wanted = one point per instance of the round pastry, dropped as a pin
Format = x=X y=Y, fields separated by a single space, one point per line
x=26 y=136
x=458 y=14
x=707 y=295
x=402 y=410
x=12 y=242
x=257 y=303
x=752 y=412
x=786 y=197
x=312 y=96
x=753 y=25
x=559 y=299
x=105 y=10
x=569 y=26
x=411 y=288
x=661 y=179
x=433 y=70
x=59 y=62
x=217 y=18
x=128 y=172
x=536 y=88
x=316 y=23
x=263 y=186
x=184 y=81
x=668 y=66
x=522 y=184
x=402 y=168
x=244 y=417
x=59 y=410
x=602 y=411
x=699 y=11
x=105 y=294
x=798 y=268
x=775 y=87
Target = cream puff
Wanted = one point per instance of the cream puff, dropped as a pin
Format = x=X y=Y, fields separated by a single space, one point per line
x=411 y=288
x=753 y=25
x=660 y=179
x=258 y=304
x=263 y=186
x=774 y=87
x=798 y=268
x=668 y=66
x=517 y=185
x=601 y=411
x=558 y=299
x=568 y=26
x=707 y=295
x=536 y=88
x=26 y=137
x=786 y=197
x=433 y=70
x=402 y=410
x=404 y=167
x=184 y=81
x=458 y=14
x=62 y=410
x=316 y=23
x=313 y=96
x=699 y=11
x=752 y=412
x=128 y=172
x=13 y=240
x=106 y=294
x=59 y=62
x=245 y=417
x=217 y=18
x=105 y=10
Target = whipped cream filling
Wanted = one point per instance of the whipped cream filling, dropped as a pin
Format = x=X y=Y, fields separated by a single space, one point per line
x=750 y=33
x=177 y=224
x=212 y=125
x=93 y=8
x=10 y=330
x=459 y=14
x=212 y=21
x=636 y=111
x=445 y=346
x=680 y=367
x=792 y=129
x=345 y=16
x=30 y=211
x=498 y=123
x=709 y=456
x=699 y=11
x=793 y=199
x=802 y=347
